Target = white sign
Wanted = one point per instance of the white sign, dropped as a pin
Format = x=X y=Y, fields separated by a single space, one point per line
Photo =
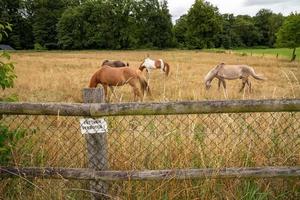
x=91 y=126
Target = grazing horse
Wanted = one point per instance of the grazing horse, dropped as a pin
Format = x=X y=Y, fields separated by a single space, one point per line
x=231 y=72
x=110 y=76
x=115 y=63
x=150 y=64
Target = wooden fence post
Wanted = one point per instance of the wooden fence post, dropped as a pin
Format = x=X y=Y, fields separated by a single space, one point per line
x=96 y=146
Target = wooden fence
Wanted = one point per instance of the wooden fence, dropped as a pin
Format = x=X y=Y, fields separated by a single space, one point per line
x=102 y=173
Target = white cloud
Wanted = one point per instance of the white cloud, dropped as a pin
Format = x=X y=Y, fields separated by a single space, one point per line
x=237 y=7
x=270 y=2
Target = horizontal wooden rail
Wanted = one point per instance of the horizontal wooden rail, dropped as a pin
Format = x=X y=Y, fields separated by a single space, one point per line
x=167 y=108
x=90 y=174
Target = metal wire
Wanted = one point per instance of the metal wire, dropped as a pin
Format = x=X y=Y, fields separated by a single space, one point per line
x=155 y=142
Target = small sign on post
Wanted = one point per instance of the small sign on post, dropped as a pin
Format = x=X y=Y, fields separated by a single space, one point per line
x=93 y=126
x=95 y=133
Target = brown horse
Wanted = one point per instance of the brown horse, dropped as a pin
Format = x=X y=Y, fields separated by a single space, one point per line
x=115 y=63
x=110 y=76
x=150 y=64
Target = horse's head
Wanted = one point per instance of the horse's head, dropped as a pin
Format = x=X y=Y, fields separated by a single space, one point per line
x=143 y=65
x=207 y=85
x=210 y=76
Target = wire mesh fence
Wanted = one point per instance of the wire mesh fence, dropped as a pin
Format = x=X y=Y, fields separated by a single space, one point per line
x=155 y=142
x=139 y=142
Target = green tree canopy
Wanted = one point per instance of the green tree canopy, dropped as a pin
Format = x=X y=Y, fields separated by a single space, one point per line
x=268 y=24
x=204 y=23
x=289 y=33
x=116 y=24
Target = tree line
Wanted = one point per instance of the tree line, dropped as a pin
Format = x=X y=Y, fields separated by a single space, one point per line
x=132 y=24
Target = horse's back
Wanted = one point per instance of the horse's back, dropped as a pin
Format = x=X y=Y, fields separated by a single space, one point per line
x=116 y=63
x=116 y=76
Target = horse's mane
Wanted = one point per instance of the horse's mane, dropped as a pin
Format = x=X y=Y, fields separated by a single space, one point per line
x=210 y=74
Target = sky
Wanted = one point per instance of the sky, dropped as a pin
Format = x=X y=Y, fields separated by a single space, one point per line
x=237 y=7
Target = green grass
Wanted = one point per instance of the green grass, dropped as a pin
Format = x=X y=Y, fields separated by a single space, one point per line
x=282 y=52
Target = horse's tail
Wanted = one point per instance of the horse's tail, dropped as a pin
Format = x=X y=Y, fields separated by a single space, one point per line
x=167 y=69
x=144 y=85
x=93 y=82
x=256 y=76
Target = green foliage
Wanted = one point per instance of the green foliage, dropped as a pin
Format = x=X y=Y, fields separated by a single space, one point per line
x=15 y=12
x=116 y=24
x=203 y=25
x=8 y=139
x=180 y=29
x=268 y=24
x=250 y=190
x=39 y=47
x=131 y=24
x=3 y=29
x=289 y=33
x=7 y=74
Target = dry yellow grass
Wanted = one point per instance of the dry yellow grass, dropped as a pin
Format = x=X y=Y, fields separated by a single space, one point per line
x=60 y=76
x=135 y=142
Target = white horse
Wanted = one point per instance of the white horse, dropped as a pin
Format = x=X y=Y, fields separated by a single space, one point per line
x=150 y=64
x=231 y=72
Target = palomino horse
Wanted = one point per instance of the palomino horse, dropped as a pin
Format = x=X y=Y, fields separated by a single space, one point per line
x=115 y=63
x=150 y=64
x=110 y=76
x=231 y=72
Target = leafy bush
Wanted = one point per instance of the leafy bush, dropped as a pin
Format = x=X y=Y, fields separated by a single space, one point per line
x=7 y=74
x=39 y=47
x=8 y=139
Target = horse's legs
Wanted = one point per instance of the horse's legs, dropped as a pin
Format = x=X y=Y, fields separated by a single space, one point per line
x=249 y=85
x=224 y=84
x=113 y=91
x=137 y=93
x=136 y=90
x=244 y=81
x=105 y=92
x=219 y=84
x=225 y=89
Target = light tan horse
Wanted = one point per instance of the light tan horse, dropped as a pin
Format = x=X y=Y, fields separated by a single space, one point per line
x=231 y=72
x=110 y=76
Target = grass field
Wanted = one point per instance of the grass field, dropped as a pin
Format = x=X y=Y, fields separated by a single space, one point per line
x=284 y=53
x=61 y=75
x=157 y=142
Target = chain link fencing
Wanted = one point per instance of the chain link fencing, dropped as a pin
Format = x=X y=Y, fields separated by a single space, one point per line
x=148 y=142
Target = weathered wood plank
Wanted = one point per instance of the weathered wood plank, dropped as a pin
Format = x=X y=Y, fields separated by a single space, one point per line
x=96 y=146
x=167 y=108
x=90 y=174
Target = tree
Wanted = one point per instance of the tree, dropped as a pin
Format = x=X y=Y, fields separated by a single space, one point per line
x=96 y=24
x=268 y=24
x=14 y=12
x=116 y=24
x=289 y=33
x=229 y=37
x=203 y=25
x=153 y=26
x=7 y=74
x=180 y=30
x=246 y=31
